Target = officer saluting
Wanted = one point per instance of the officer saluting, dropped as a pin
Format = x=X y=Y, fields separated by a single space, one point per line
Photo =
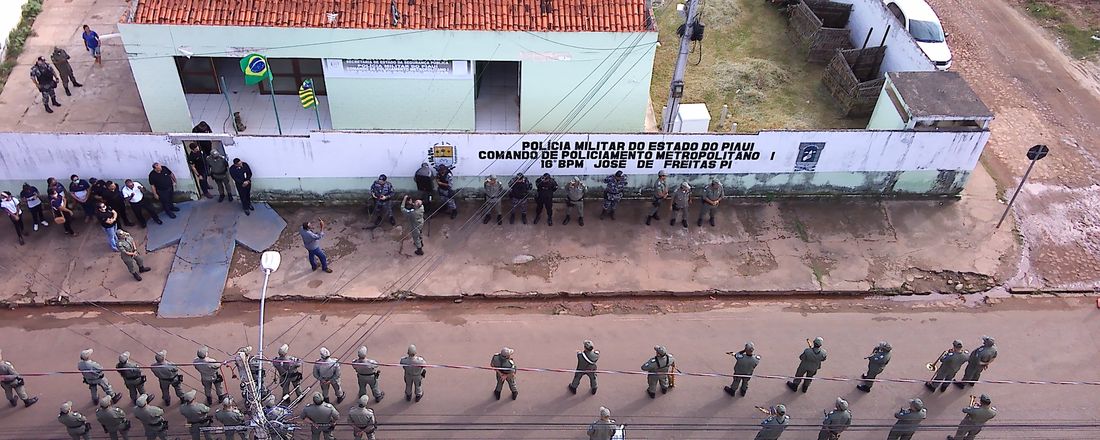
x=836 y=421
x=744 y=365
x=586 y=366
x=322 y=417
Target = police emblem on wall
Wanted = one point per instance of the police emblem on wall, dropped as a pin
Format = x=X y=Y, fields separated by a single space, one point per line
x=442 y=154
x=808 y=155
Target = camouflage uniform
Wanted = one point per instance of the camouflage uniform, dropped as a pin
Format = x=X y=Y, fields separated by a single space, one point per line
x=443 y=181
x=382 y=193
x=614 y=186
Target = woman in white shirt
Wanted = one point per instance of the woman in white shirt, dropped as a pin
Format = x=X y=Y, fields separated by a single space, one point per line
x=10 y=206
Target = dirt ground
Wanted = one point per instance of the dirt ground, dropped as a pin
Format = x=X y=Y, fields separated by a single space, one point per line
x=746 y=61
x=1040 y=96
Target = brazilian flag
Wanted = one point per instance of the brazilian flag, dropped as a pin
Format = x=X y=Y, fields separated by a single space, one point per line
x=255 y=68
x=306 y=94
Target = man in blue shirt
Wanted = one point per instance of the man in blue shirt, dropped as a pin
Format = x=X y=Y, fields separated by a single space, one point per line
x=242 y=177
x=81 y=192
x=91 y=43
x=312 y=241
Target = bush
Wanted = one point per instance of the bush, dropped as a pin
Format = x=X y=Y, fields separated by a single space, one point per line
x=750 y=80
x=17 y=39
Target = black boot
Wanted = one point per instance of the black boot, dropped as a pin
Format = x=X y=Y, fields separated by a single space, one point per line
x=571 y=389
x=137 y=277
x=612 y=214
x=485 y=220
x=48 y=109
x=549 y=221
x=377 y=221
x=76 y=84
x=55 y=103
x=603 y=214
x=700 y=222
x=419 y=251
x=496 y=394
x=523 y=217
x=498 y=221
x=712 y=221
x=29 y=402
x=393 y=222
x=67 y=92
x=729 y=390
x=648 y=219
x=580 y=221
x=565 y=221
x=454 y=213
x=672 y=222
x=793 y=386
x=512 y=219
x=515 y=394
x=684 y=223
x=537 y=217
x=656 y=216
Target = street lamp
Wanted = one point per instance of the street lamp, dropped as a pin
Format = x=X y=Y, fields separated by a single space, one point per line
x=269 y=262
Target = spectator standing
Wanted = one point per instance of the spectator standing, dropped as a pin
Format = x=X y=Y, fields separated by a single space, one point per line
x=60 y=60
x=312 y=241
x=80 y=190
x=218 y=168
x=10 y=206
x=128 y=250
x=30 y=196
x=112 y=196
x=163 y=182
x=197 y=161
x=132 y=193
x=91 y=43
x=57 y=202
x=242 y=177
x=45 y=78
x=108 y=219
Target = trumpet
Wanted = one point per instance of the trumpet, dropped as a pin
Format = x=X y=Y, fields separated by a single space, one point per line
x=809 y=343
x=973 y=401
x=767 y=411
x=931 y=366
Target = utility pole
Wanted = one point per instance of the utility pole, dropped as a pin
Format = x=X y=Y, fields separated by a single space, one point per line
x=676 y=88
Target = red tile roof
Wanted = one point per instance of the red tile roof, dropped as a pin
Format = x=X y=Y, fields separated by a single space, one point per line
x=480 y=15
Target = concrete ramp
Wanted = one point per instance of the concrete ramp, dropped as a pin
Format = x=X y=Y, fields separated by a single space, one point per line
x=208 y=234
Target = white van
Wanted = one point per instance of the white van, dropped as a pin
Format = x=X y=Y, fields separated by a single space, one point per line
x=923 y=24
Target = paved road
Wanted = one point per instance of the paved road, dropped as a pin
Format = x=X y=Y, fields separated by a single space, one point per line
x=1040 y=96
x=1038 y=339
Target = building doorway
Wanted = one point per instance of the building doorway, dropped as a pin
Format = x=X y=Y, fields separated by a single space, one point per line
x=496 y=96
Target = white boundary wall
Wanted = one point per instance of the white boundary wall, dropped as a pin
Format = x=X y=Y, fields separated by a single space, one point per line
x=339 y=164
x=902 y=52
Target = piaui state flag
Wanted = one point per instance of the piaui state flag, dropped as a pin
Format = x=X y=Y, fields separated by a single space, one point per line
x=306 y=94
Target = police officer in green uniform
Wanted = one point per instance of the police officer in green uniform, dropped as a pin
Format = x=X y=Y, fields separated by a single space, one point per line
x=414 y=213
x=289 y=369
x=367 y=373
x=681 y=203
x=712 y=196
x=327 y=371
x=322 y=418
x=505 y=372
x=773 y=426
x=362 y=419
x=210 y=375
x=811 y=359
x=168 y=374
x=908 y=421
x=414 y=374
x=113 y=420
x=660 y=194
x=132 y=376
x=13 y=384
x=979 y=360
x=152 y=418
x=494 y=196
x=744 y=365
x=197 y=416
x=604 y=428
x=836 y=421
x=876 y=362
x=586 y=366
x=975 y=419
x=950 y=362
x=92 y=373
x=231 y=418
x=76 y=425
x=659 y=366
x=574 y=200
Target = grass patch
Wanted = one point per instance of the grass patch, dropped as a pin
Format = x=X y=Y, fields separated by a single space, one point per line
x=17 y=39
x=1078 y=40
x=748 y=63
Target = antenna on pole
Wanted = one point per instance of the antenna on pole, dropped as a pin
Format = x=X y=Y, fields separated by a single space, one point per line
x=676 y=87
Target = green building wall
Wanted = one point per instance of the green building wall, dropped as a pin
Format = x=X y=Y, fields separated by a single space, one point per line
x=580 y=81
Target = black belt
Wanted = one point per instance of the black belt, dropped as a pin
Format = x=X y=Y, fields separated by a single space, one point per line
x=368 y=375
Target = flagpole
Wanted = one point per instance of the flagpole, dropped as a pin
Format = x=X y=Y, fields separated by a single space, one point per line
x=316 y=103
x=271 y=86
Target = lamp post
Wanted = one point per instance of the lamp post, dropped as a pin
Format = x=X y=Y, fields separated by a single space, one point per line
x=269 y=262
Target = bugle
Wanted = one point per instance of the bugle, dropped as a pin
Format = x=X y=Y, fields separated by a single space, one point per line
x=973 y=400
x=767 y=411
x=809 y=343
x=931 y=366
